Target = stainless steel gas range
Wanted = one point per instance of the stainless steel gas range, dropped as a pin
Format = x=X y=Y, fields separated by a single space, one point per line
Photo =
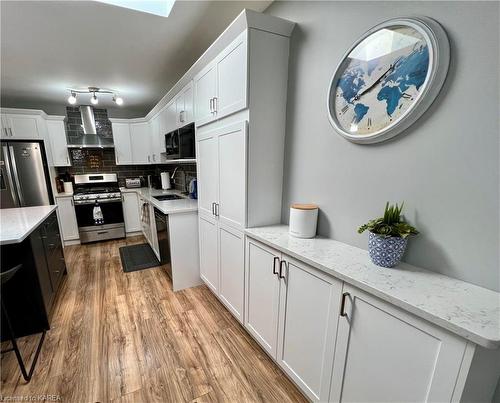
x=98 y=207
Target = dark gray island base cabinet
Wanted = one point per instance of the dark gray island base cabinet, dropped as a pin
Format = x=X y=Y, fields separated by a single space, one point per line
x=29 y=296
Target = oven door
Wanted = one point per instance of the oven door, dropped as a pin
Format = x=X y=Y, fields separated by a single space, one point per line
x=93 y=228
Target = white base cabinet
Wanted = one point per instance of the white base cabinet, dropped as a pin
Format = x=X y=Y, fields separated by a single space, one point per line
x=131 y=212
x=232 y=269
x=67 y=218
x=385 y=354
x=209 y=270
x=340 y=344
x=292 y=310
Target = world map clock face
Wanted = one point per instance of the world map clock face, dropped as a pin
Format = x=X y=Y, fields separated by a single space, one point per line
x=380 y=80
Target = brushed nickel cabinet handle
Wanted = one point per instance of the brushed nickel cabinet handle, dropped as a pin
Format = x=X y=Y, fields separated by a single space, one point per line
x=283 y=263
x=275 y=259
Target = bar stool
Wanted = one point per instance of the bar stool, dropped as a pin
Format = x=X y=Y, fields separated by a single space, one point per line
x=5 y=277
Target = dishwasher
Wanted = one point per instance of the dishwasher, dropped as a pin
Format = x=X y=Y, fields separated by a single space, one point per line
x=161 y=221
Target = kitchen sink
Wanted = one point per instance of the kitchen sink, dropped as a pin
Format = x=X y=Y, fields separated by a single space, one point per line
x=167 y=197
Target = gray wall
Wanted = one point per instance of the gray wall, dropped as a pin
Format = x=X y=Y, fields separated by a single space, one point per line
x=445 y=167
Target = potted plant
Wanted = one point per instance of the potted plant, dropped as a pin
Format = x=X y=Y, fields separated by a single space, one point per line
x=388 y=236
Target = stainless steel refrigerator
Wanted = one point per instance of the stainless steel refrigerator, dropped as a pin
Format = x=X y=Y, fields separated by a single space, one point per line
x=24 y=178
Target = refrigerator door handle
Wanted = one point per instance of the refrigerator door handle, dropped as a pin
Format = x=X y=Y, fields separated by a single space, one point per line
x=8 y=171
x=16 y=177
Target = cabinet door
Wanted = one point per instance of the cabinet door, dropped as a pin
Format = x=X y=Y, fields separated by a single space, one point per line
x=67 y=218
x=232 y=142
x=232 y=78
x=309 y=307
x=154 y=133
x=232 y=270
x=131 y=212
x=163 y=125
x=207 y=160
x=58 y=143
x=262 y=289
x=188 y=115
x=209 y=271
x=171 y=116
x=141 y=143
x=385 y=354
x=123 y=147
x=205 y=90
x=4 y=126
x=22 y=127
x=179 y=110
x=154 y=234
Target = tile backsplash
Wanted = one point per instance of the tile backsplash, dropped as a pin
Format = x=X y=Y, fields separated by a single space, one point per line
x=86 y=161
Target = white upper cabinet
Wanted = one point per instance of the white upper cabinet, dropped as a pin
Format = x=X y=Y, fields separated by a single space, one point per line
x=123 y=146
x=205 y=92
x=208 y=171
x=56 y=132
x=184 y=106
x=231 y=203
x=221 y=87
x=222 y=164
x=232 y=78
x=140 y=140
x=385 y=354
x=20 y=127
x=156 y=139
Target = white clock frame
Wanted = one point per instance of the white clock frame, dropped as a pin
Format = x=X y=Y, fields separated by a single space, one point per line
x=439 y=60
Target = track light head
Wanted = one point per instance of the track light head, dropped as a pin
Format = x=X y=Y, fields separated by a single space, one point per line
x=72 y=98
x=117 y=100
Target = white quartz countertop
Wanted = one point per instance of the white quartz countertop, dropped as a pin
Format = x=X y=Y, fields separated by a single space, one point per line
x=468 y=310
x=184 y=205
x=17 y=223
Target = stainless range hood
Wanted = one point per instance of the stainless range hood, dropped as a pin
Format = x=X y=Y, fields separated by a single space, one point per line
x=90 y=137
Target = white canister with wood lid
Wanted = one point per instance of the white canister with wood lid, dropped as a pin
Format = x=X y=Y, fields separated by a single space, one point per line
x=303 y=220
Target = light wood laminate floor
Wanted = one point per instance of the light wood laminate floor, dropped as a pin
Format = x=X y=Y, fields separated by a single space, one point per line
x=127 y=337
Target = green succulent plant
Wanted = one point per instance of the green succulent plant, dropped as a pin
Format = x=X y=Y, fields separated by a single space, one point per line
x=391 y=224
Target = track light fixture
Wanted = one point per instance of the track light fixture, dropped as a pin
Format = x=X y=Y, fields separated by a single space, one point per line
x=94 y=100
x=94 y=91
x=117 y=100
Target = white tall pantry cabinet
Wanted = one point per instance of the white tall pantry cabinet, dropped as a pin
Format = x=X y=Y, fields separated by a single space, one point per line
x=240 y=105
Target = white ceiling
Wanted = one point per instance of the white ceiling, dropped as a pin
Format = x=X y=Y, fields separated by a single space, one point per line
x=48 y=46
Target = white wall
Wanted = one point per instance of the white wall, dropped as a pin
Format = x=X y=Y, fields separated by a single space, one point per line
x=445 y=167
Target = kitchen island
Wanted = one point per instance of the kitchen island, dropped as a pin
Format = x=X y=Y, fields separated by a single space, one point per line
x=171 y=229
x=30 y=236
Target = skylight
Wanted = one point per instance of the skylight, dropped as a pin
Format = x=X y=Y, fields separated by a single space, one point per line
x=157 y=7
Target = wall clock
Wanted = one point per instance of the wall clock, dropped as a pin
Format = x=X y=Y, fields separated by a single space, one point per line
x=388 y=78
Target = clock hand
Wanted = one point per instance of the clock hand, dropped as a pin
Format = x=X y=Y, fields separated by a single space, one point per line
x=390 y=69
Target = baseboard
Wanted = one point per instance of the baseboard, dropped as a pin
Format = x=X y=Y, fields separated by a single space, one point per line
x=72 y=242
x=136 y=233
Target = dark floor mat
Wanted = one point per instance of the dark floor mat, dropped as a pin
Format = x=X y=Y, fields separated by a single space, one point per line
x=137 y=257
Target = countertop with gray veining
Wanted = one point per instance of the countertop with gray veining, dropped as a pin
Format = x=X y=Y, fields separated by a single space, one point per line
x=17 y=223
x=183 y=205
x=468 y=310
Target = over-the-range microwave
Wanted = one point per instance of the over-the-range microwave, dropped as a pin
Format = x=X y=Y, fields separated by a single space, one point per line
x=180 y=143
